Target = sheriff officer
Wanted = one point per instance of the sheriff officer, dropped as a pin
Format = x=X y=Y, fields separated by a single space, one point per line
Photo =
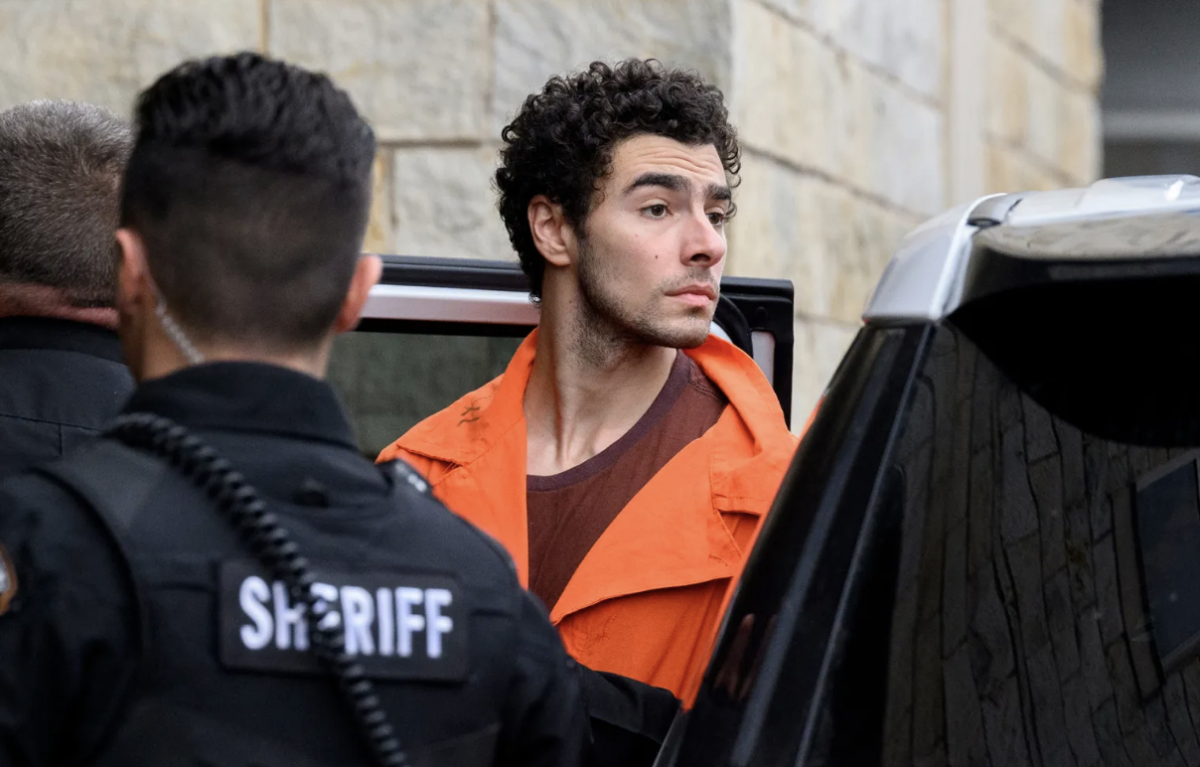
x=224 y=579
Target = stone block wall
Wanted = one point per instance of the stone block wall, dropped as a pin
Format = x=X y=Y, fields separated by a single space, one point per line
x=859 y=118
x=840 y=104
x=1043 y=72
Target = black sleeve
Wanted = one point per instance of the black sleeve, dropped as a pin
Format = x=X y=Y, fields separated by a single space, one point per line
x=68 y=634
x=629 y=719
x=544 y=723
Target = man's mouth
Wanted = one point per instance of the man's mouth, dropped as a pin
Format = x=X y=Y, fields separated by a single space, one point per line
x=698 y=294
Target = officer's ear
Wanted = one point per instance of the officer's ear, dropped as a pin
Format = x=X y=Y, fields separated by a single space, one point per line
x=366 y=275
x=553 y=235
x=133 y=276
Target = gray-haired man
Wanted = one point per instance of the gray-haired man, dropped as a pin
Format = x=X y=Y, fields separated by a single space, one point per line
x=61 y=371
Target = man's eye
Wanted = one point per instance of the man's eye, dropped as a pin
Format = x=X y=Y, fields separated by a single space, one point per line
x=717 y=217
x=656 y=211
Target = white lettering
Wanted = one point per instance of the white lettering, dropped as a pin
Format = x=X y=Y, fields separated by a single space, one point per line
x=387 y=626
x=406 y=622
x=253 y=597
x=376 y=621
x=327 y=596
x=287 y=618
x=436 y=624
x=358 y=613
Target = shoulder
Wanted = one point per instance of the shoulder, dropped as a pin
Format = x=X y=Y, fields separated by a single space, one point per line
x=53 y=388
x=52 y=536
x=68 y=502
x=740 y=381
x=422 y=444
x=446 y=532
x=25 y=365
x=33 y=500
x=467 y=409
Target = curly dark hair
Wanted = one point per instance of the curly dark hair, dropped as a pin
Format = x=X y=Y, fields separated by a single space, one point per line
x=561 y=143
x=250 y=183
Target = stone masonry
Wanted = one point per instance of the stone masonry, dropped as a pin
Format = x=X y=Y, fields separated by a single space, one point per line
x=859 y=118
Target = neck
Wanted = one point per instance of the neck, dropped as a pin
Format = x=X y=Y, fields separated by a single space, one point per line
x=589 y=385
x=162 y=357
x=28 y=300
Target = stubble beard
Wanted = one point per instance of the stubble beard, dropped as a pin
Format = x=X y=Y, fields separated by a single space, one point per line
x=606 y=327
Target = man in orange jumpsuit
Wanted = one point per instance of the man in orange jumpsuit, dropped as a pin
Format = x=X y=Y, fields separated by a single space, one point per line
x=626 y=458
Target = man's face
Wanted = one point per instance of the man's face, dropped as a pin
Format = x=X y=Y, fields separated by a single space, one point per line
x=650 y=263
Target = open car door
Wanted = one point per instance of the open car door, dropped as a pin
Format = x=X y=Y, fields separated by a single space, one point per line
x=437 y=328
x=987 y=549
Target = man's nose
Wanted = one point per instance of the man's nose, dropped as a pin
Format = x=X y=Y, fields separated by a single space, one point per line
x=705 y=244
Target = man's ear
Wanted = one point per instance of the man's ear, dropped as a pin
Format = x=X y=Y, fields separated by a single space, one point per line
x=553 y=235
x=133 y=276
x=366 y=274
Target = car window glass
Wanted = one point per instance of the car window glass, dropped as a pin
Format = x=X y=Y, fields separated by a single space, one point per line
x=1045 y=609
x=391 y=381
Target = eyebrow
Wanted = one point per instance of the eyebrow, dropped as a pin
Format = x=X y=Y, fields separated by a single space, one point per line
x=666 y=180
x=676 y=183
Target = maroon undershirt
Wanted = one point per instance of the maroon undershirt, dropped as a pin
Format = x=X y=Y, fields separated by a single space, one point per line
x=568 y=512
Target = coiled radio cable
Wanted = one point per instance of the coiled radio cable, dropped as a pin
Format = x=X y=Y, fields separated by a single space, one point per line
x=263 y=533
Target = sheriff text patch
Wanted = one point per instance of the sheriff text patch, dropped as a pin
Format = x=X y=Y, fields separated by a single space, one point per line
x=399 y=626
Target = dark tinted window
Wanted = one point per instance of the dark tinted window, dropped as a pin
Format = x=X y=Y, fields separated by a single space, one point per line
x=1030 y=568
x=1168 y=516
x=391 y=381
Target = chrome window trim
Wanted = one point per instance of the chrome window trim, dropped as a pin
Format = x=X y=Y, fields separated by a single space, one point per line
x=444 y=304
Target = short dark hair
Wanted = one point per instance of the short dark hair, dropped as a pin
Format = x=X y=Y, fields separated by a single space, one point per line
x=561 y=142
x=250 y=183
x=60 y=169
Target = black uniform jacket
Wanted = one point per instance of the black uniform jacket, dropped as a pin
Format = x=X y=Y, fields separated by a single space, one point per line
x=60 y=382
x=70 y=676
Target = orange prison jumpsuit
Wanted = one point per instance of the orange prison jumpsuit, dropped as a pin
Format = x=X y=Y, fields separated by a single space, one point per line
x=647 y=600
